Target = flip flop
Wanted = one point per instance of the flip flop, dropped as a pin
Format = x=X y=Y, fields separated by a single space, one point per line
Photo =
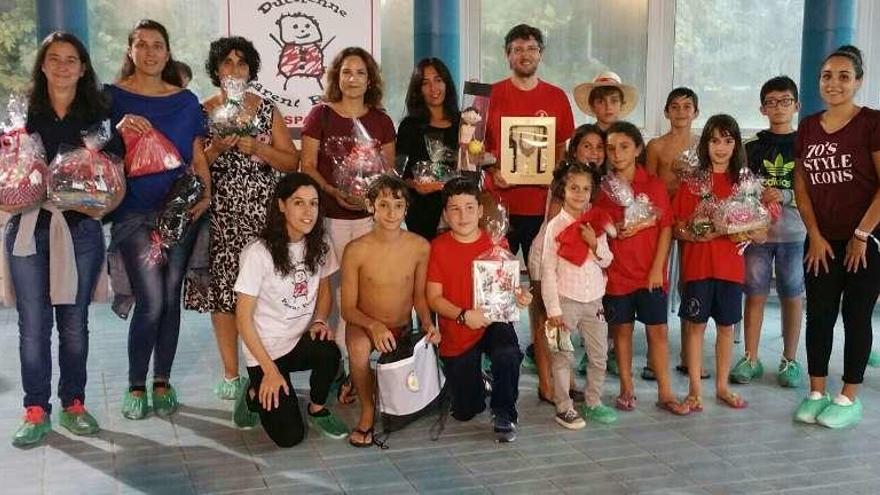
x=694 y=403
x=732 y=400
x=626 y=402
x=364 y=443
x=674 y=407
x=346 y=394
x=648 y=374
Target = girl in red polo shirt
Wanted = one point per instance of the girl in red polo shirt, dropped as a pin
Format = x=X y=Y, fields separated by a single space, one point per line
x=637 y=286
x=712 y=269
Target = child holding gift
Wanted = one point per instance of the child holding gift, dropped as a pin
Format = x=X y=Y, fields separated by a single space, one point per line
x=712 y=270
x=572 y=288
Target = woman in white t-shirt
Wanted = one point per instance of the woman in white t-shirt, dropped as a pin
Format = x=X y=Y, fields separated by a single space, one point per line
x=284 y=298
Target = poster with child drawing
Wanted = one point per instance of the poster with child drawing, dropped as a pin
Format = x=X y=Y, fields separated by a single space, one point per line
x=297 y=41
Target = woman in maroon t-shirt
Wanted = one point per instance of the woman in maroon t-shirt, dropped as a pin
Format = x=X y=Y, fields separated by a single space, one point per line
x=836 y=187
x=353 y=89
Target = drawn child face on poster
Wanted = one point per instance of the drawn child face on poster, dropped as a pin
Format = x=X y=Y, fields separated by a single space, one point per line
x=299 y=29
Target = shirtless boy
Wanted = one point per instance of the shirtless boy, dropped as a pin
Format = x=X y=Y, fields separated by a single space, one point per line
x=379 y=293
x=681 y=109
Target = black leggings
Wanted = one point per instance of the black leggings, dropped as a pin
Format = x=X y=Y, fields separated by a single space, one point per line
x=852 y=295
x=284 y=424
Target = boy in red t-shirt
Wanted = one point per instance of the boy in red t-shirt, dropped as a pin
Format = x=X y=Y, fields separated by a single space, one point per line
x=466 y=333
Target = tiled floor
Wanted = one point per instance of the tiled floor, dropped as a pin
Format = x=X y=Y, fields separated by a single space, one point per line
x=758 y=450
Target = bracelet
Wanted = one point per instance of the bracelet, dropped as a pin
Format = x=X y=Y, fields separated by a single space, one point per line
x=861 y=234
x=318 y=320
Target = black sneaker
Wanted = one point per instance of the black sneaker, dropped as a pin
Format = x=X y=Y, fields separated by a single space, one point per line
x=505 y=430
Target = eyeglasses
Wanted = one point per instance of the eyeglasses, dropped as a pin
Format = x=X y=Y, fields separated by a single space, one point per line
x=519 y=50
x=784 y=103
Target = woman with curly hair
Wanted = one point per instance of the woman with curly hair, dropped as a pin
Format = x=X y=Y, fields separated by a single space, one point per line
x=284 y=299
x=244 y=171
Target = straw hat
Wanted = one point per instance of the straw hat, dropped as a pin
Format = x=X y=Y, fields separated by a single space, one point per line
x=607 y=78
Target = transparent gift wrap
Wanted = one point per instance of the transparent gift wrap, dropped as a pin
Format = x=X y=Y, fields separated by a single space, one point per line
x=86 y=179
x=637 y=208
x=743 y=211
x=233 y=117
x=701 y=221
x=357 y=162
x=440 y=165
x=23 y=171
x=496 y=274
x=175 y=219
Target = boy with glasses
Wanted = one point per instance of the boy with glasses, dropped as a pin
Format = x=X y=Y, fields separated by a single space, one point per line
x=771 y=156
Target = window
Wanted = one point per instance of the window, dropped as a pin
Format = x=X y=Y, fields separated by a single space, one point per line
x=582 y=38
x=397 y=53
x=191 y=25
x=726 y=49
x=18 y=45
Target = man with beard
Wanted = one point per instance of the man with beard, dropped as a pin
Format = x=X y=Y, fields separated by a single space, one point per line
x=523 y=94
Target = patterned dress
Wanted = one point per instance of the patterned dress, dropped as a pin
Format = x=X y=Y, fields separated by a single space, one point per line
x=242 y=186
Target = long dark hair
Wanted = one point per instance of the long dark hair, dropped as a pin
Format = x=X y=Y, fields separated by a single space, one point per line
x=88 y=103
x=415 y=100
x=373 y=96
x=169 y=72
x=580 y=133
x=274 y=234
x=725 y=125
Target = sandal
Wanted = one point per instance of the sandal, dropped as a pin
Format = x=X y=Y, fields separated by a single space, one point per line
x=626 y=402
x=648 y=374
x=346 y=394
x=732 y=400
x=704 y=374
x=675 y=407
x=694 y=403
x=363 y=444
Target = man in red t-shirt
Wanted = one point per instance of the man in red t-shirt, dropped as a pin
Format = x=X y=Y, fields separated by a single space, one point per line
x=466 y=332
x=524 y=95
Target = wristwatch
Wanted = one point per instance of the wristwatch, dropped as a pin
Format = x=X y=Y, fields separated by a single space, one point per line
x=460 y=318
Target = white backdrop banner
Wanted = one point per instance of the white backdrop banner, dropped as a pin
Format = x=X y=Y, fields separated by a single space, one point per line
x=297 y=40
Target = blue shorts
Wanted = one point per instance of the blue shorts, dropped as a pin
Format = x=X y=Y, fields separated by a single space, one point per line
x=646 y=306
x=785 y=259
x=712 y=298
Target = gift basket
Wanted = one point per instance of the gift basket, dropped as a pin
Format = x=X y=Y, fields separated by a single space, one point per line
x=687 y=163
x=86 y=179
x=357 y=162
x=496 y=273
x=701 y=221
x=149 y=153
x=233 y=117
x=175 y=218
x=638 y=210
x=439 y=167
x=23 y=171
x=742 y=212
x=472 y=128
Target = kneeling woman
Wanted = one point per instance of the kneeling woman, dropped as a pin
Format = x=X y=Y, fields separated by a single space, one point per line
x=284 y=298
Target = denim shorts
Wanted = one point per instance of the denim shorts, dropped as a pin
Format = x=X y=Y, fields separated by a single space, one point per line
x=785 y=259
